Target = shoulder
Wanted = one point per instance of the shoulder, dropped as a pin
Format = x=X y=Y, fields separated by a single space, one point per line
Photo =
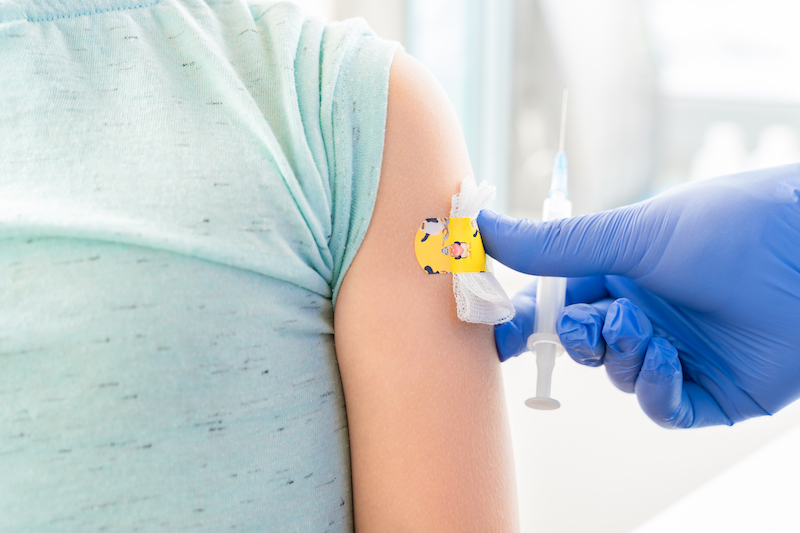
x=424 y=161
x=425 y=156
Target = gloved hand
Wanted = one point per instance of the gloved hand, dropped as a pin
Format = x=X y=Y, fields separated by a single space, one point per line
x=691 y=299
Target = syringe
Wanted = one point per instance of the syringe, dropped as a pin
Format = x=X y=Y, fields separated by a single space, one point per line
x=550 y=292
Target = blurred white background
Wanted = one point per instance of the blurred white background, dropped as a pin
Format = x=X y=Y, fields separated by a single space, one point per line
x=661 y=92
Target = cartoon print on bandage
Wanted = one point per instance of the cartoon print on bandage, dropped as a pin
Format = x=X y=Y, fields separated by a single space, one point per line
x=457 y=250
x=461 y=249
x=435 y=226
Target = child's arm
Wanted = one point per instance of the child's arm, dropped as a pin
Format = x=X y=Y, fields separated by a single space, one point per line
x=429 y=435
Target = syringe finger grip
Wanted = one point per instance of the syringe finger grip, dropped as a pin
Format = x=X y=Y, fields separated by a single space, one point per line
x=544 y=338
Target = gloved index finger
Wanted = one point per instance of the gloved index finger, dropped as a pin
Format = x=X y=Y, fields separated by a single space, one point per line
x=585 y=245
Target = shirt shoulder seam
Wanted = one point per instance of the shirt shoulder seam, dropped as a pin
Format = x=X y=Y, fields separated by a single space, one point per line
x=74 y=15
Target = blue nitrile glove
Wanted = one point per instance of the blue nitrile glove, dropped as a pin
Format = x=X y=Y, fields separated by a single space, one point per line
x=690 y=299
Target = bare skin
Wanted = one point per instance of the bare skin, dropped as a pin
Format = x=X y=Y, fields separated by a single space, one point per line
x=429 y=433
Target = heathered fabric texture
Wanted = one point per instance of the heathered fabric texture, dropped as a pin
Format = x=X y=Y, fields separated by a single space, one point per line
x=182 y=188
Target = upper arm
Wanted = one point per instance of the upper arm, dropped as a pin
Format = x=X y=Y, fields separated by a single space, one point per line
x=429 y=436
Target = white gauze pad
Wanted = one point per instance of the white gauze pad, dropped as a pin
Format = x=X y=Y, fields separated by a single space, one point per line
x=480 y=298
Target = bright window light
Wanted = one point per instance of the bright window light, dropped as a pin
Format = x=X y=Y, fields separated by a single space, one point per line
x=738 y=50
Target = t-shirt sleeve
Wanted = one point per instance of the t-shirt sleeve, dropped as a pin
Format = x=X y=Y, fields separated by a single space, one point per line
x=354 y=93
x=339 y=74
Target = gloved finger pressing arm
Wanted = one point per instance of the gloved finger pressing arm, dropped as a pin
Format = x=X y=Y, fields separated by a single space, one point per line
x=586 y=245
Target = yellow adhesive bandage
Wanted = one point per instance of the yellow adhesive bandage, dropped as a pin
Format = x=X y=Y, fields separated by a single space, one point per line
x=449 y=245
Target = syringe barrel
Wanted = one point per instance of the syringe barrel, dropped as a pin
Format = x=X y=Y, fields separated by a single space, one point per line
x=550 y=292
x=556 y=207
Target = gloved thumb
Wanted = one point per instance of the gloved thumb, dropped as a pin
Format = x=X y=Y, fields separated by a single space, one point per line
x=587 y=245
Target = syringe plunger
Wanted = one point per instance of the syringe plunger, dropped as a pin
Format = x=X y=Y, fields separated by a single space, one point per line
x=545 y=362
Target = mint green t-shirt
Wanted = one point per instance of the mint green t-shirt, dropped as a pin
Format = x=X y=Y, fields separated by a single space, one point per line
x=183 y=185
